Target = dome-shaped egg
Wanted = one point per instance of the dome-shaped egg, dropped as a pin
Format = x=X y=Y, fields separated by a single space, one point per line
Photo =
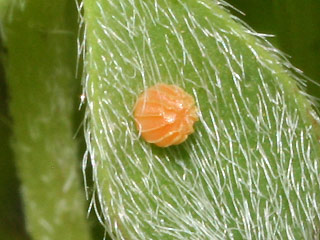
x=165 y=115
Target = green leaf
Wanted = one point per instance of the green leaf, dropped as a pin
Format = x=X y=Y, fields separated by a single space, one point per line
x=250 y=170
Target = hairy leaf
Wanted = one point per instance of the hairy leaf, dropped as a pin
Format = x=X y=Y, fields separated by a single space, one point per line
x=250 y=170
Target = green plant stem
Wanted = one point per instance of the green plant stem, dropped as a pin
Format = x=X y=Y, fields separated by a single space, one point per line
x=41 y=42
x=11 y=225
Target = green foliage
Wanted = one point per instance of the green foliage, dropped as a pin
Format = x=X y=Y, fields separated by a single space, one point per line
x=41 y=54
x=250 y=170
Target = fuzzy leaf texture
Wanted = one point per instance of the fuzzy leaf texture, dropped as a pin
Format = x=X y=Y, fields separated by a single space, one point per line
x=250 y=170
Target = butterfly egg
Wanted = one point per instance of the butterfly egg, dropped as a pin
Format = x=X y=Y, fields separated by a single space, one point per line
x=165 y=115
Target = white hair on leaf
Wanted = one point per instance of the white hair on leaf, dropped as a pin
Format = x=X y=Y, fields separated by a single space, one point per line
x=250 y=170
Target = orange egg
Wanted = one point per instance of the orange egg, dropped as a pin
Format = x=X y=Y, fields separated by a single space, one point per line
x=165 y=115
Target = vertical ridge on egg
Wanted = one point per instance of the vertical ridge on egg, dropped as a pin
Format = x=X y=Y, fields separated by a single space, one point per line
x=165 y=115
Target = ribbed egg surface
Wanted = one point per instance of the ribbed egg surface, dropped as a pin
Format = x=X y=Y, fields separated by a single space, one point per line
x=165 y=115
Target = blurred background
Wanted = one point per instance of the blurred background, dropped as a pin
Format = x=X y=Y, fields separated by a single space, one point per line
x=295 y=26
